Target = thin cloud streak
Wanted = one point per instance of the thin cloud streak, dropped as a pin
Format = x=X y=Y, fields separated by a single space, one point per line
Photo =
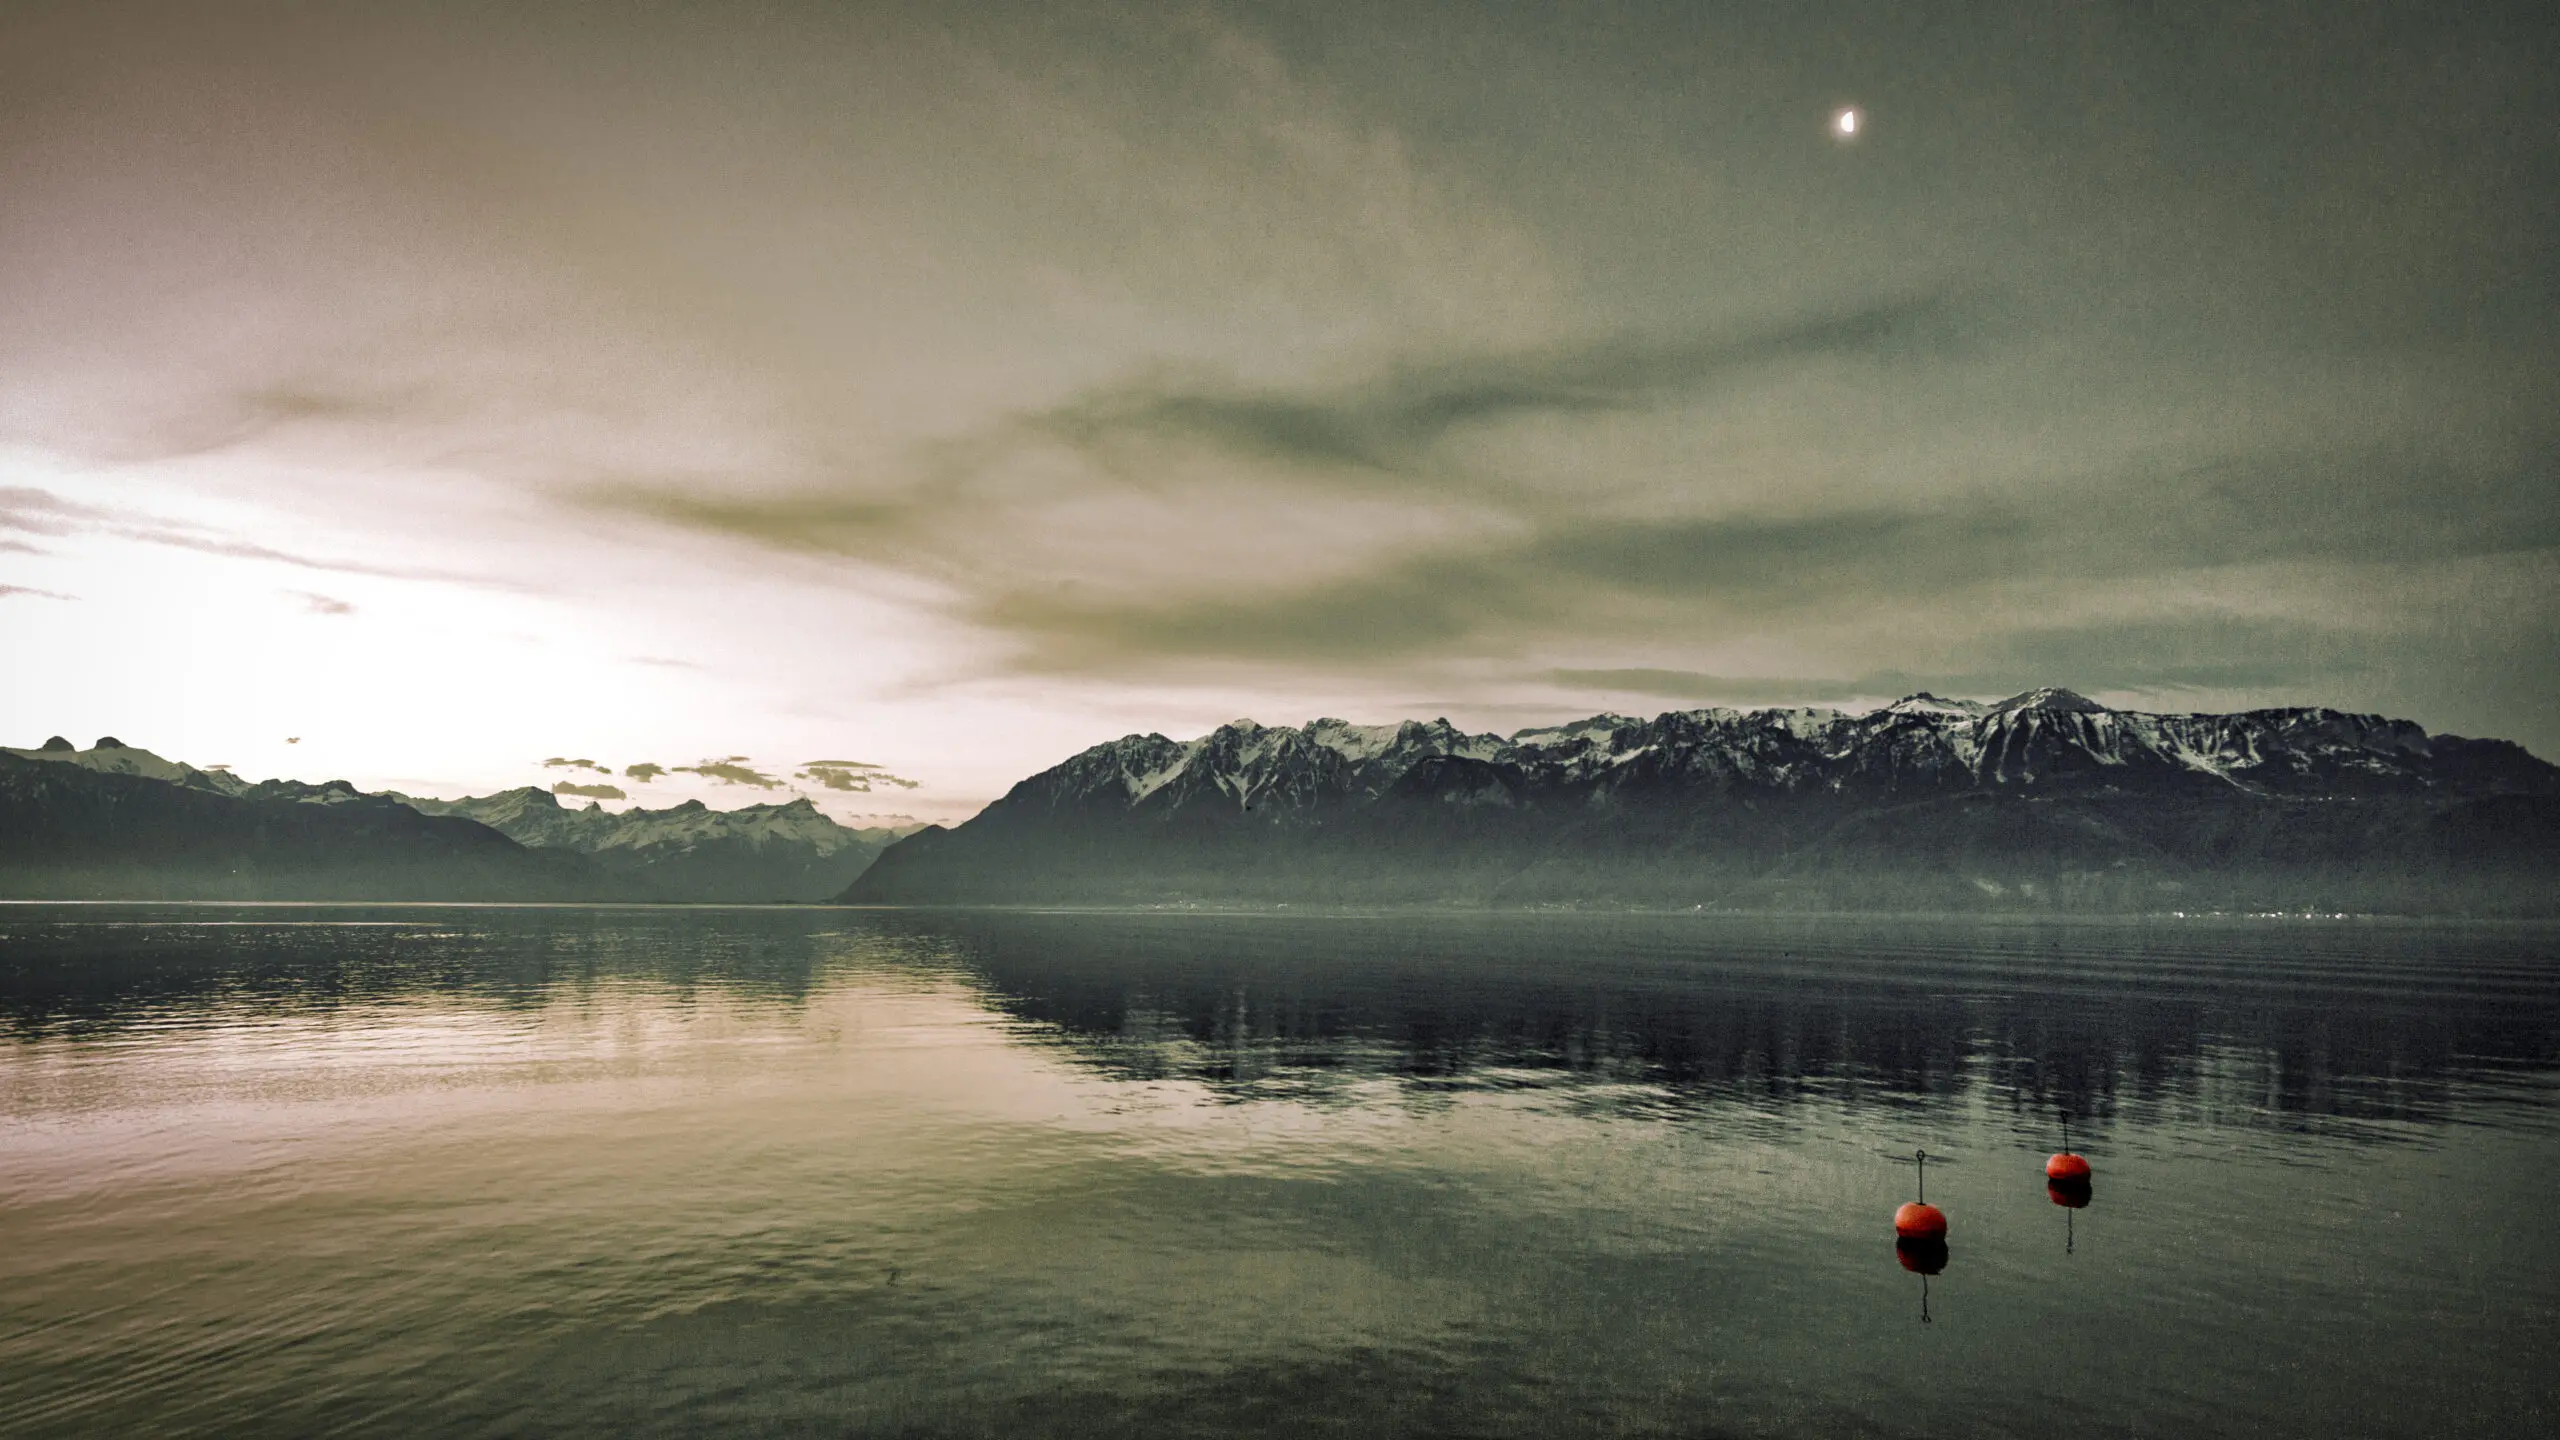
x=41 y=512
x=2158 y=657
x=36 y=511
x=250 y=550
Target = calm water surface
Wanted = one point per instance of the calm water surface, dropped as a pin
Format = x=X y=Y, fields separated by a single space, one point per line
x=470 y=1171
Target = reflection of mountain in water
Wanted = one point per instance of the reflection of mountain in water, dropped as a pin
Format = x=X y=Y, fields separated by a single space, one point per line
x=118 y=967
x=2229 y=1022
x=2220 y=1021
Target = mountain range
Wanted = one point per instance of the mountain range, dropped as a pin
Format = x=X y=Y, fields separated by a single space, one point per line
x=788 y=852
x=2047 y=800
x=118 y=822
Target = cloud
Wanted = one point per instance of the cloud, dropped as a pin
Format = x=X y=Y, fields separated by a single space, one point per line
x=29 y=590
x=1174 y=515
x=1388 y=423
x=591 y=792
x=207 y=544
x=258 y=411
x=644 y=772
x=1444 y=506
x=2157 y=656
x=41 y=512
x=36 y=511
x=1465 y=598
x=1159 y=433
x=730 y=771
x=1659 y=578
x=557 y=762
x=319 y=604
x=19 y=547
x=850 y=775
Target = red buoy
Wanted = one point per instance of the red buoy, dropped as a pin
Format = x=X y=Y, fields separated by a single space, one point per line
x=1915 y=1221
x=2066 y=1168
x=1921 y=1257
x=2069 y=1194
x=1918 y=1219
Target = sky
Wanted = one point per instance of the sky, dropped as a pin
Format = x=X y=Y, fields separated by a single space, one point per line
x=417 y=393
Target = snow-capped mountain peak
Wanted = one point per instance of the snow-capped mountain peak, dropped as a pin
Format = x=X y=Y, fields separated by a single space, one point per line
x=1922 y=744
x=1921 y=702
x=113 y=757
x=2050 y=698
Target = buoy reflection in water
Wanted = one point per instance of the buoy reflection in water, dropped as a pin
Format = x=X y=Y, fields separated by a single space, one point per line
x=2071 y=1195
x=1923 y=1258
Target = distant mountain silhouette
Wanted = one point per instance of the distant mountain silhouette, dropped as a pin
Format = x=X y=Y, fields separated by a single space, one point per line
x=118 y=822
x=757 y=853
x=94 y=830
x=2047 y=800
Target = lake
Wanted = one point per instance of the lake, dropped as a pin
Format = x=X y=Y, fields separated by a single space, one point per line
x=522 y=1171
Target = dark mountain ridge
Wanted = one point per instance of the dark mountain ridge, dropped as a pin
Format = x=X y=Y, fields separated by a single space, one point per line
x=76 y=833
x=2046 y=800
x=118 y=822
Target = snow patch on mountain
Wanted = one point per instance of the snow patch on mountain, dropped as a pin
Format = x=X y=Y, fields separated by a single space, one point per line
x=111 y=758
